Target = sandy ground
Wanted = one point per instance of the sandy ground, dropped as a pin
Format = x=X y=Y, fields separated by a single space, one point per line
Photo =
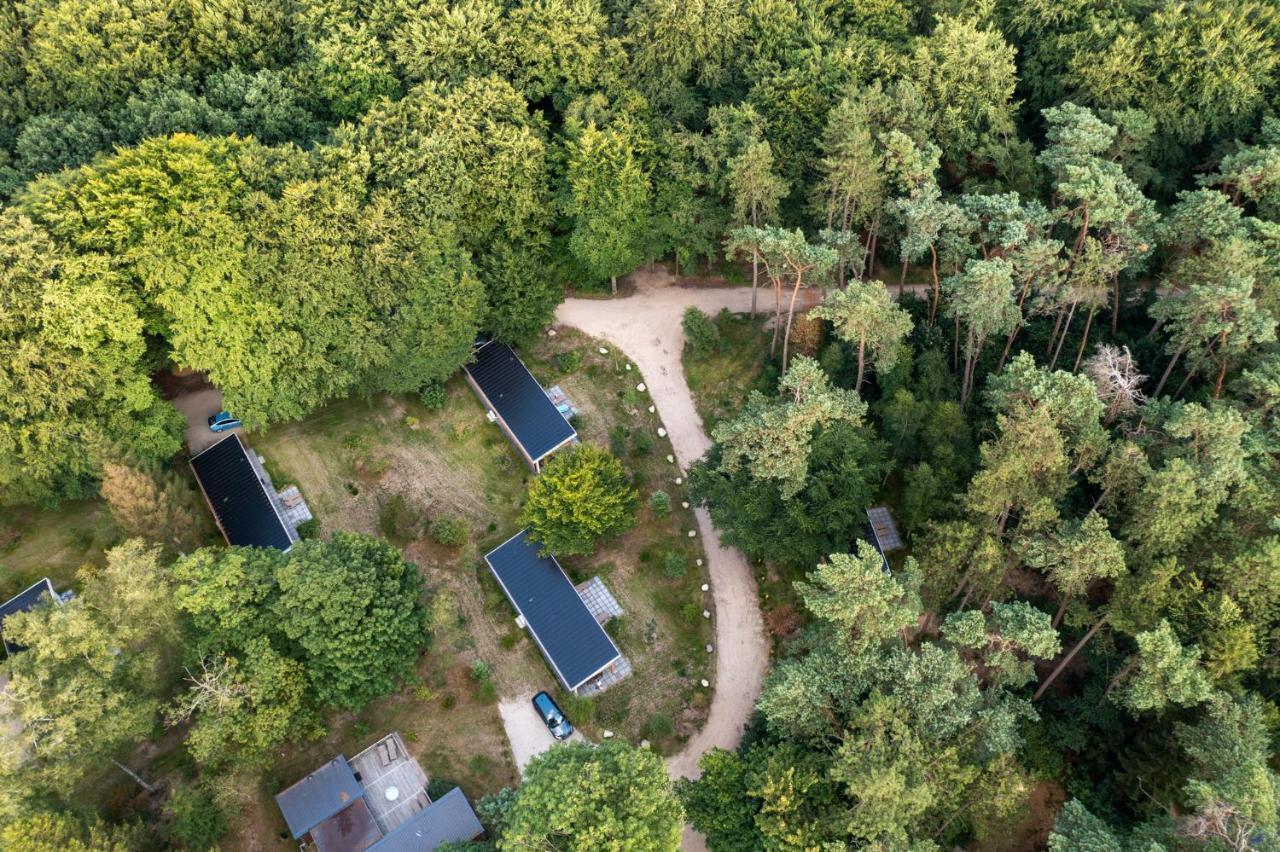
x=526 y=731
x=646 y=326
x=197 y=407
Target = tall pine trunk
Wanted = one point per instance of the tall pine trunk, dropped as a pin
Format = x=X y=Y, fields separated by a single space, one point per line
x=1084 y=340
x=755 y=264
x=937 y=285
x=791 y=312
x=1167 y=370
x=862 y=351
x=1066 y=327
x=1062 y=664
x=777 y=316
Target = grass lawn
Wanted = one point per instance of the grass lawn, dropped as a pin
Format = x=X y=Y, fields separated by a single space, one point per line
x=720 y=380
x=55 y=543
x=391 y=467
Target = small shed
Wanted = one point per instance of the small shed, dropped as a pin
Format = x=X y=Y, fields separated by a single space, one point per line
x=560 y=623
x=25 y=601
x=330 y=789
x=241 y=497
x=883 y=532
x=518 y=403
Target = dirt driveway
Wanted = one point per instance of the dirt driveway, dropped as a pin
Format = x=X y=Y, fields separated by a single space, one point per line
x=647 y=327
x=197 y=407
x=528 y=735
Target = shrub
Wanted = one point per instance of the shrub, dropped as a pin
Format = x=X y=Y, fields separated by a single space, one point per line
x=674 y=565
x=197 y=821
x=397 y=520
x=307 y=529
x=658 y=726
x=581 y=496
x=450 y=531
x=570 y=361
x=641 y=443
x=700 y=333
x=660 y=503
x=618 y=441
x=480 y=671
x=433 y=396
x=437 y=786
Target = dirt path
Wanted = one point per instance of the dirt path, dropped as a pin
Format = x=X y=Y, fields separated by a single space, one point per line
x=646 y=326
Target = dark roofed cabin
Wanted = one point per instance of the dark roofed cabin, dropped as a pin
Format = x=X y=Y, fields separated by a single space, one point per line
x=25 y=601
x=520 y=406
x=238 y=497
x=571 y=639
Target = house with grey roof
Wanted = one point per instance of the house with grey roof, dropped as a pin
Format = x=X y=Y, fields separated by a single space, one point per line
x=375 y=801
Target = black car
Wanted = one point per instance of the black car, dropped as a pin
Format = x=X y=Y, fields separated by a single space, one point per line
x=552 y=716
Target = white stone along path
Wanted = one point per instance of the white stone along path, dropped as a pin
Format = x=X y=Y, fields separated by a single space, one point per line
x=646 y=327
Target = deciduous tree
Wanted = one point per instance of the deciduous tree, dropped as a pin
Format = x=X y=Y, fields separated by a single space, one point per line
x=581 y=496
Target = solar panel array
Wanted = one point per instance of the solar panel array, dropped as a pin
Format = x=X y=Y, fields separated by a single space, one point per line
x=518 y=398
x=884 y=529
x=238 y=498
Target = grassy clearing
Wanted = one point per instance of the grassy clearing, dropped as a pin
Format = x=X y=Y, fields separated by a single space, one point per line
x=388 y=466
x=720 y=380
x=35 y=544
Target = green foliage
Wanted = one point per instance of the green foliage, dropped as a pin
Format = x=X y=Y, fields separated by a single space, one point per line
x=44 y=831
x=606 y=199
x=674 y=565
x=773 y=438
x=347 y=610
x=88 y=682
x=197 y=822
x=700 y=333
x=450 y=531
x=660 y=503
x=845 y=465
x=581 y=496
x=580 y=797
x=433 y=396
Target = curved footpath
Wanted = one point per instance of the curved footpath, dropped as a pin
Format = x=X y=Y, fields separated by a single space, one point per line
x=646 y=326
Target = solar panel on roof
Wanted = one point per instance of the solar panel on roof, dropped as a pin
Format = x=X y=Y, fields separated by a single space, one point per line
x=566 y=631
x=884 y=529
x=518 y=398
x=238 y=498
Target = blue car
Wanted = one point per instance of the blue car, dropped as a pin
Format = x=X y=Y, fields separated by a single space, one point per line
x=551 y=715
x=222 y=422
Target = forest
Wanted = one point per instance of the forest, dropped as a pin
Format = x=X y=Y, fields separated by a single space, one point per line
x=1045 y=235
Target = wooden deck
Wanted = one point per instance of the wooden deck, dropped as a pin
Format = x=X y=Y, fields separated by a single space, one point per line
x=387 y=765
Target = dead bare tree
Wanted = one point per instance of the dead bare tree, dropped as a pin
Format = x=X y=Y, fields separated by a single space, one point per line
x=1119 y=381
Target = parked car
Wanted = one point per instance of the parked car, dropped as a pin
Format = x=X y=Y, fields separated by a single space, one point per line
x=222 y=421
x=552 y=716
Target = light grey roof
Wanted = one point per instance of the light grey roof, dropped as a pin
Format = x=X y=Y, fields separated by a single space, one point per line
x=449 y=817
